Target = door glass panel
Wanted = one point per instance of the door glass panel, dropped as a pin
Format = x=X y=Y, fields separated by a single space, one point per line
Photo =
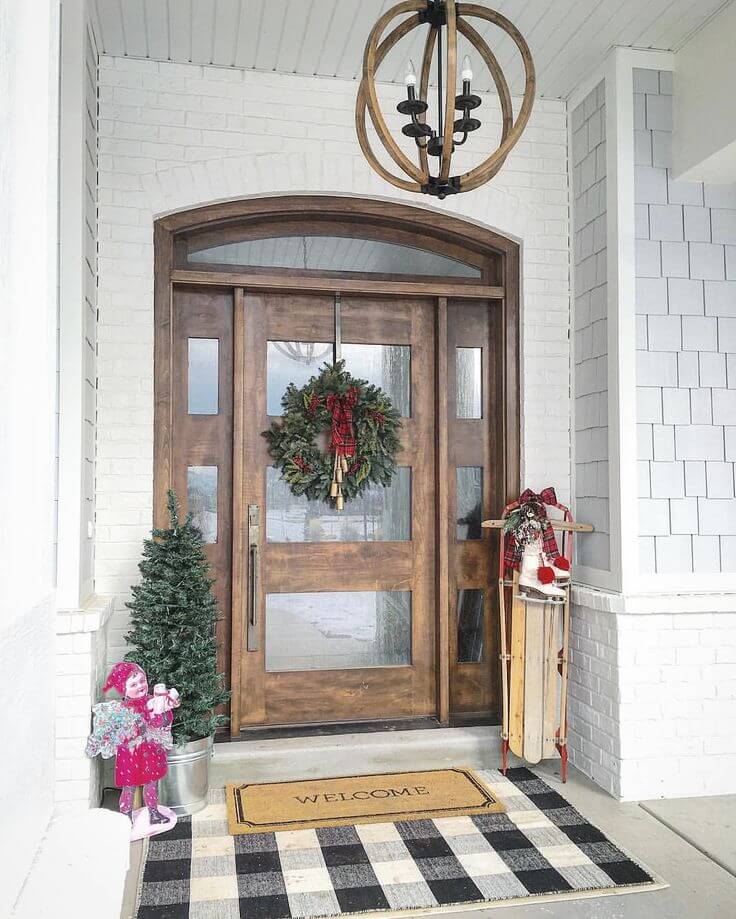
x=379 y=514
x=292 y=362
x=469 y=502
x=202 y=499
x=386 y=366
x=202 y=376
x=468 y=385
x=469 y=626
x=333 y=253
x=338 y=631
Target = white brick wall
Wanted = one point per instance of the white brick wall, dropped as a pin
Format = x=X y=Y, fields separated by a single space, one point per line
x=81 y=666
x=175 y=136
x=686 y=350
x=588 y=123
x=653 y=693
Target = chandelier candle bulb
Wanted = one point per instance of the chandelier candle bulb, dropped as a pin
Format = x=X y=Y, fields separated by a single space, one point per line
x=467 y=72
x=410 y=75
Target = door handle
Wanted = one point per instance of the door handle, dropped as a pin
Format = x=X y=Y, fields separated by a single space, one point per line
x=253 y=594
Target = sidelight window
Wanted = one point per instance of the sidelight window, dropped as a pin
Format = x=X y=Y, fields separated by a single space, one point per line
x=202 y=376
x=202 y=499
x=469 y=502
x=469 y=389
x=470 y=626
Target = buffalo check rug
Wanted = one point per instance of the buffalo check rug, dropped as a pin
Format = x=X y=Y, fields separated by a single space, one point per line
x=540 y=849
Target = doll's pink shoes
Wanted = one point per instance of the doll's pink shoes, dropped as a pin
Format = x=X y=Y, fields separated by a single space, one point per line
x=142 y=827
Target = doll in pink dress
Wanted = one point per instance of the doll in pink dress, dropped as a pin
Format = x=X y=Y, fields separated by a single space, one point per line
x=141 y=759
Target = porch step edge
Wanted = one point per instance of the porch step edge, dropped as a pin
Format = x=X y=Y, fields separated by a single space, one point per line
x=284 y=759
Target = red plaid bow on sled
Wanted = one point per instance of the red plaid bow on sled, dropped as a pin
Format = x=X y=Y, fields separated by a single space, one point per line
x=535 y=504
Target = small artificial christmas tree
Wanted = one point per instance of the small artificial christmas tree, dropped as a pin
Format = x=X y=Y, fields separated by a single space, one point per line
x=173 y=617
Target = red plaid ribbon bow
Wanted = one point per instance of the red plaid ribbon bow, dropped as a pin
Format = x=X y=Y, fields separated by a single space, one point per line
x=512 y=550
x=342 y=440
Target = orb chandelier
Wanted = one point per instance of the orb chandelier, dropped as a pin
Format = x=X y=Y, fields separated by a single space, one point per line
x=431 y=173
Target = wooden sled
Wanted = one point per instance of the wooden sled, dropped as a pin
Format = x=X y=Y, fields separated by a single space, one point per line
x=534 y=660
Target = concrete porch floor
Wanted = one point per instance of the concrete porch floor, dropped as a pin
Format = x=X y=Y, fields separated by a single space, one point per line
x=689 y=843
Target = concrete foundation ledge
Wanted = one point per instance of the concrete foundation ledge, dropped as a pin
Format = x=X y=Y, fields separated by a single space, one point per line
x=79 y=870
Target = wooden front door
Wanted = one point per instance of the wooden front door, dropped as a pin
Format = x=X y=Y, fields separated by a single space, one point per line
x=386 y=610
x=337 y=608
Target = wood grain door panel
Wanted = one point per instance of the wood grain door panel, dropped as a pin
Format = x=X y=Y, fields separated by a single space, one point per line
x=206 y=440
x=329 y=567
x=475 y=443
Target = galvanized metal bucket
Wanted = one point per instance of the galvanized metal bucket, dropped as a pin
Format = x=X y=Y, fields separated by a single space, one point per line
x=185 y=786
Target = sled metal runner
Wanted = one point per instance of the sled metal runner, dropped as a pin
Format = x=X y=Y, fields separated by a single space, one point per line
x=535 y=639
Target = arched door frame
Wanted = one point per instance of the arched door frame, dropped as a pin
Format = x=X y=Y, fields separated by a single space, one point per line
x=497 y=255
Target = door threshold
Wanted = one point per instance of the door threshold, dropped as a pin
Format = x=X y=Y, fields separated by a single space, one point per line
x=330 y=729
x=335 y=728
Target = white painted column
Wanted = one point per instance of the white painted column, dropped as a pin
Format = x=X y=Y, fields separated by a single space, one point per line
x=29 y=51
x=74 y=523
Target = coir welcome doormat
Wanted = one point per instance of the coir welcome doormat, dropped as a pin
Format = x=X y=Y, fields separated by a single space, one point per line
x=277 y=806
x=540 y=849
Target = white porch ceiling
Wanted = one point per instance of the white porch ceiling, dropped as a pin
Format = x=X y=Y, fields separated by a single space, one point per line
x=326 y=37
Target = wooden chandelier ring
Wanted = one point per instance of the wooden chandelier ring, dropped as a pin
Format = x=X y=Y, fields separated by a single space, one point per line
x=489 y=167
x=491 y=62
x=451 y=78
x=361 y=104
x=370 y=63
x=424 y=87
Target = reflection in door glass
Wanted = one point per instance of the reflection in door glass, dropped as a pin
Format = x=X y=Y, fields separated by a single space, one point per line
x=292 y=362
x=202 y=376
x=379 y=514
x=469 y=502
x=386 y=366
x=469 y=626
x=468 y=383
x=338 y=631
x=202 y=499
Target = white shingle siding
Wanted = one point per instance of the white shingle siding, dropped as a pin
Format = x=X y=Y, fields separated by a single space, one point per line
x=175 y=136
x=686 y=300
x=591 y=333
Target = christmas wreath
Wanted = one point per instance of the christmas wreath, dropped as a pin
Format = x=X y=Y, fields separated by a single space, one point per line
x=337 y=435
